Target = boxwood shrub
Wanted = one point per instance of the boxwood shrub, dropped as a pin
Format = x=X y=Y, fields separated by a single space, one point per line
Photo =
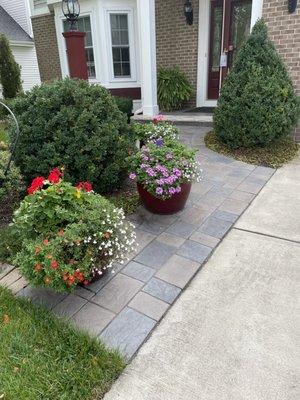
x=73 y=124
x=257 y=103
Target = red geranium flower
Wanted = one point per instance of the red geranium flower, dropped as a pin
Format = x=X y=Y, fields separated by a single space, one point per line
x=55 y=175
x=86 y=186
x=36 y=184
x=54 y=264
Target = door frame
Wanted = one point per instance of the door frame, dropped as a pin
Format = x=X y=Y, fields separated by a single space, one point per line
x=203 y=48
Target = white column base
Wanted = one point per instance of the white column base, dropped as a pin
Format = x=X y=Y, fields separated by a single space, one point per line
x=150 y=111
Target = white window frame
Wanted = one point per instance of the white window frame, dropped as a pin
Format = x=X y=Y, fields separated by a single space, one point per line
x=131 y=33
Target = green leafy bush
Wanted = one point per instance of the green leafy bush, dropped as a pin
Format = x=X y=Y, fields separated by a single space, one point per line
x=125 y=105
x=173 y=88
x=75 y=124
x=10 y=71
x=69 y=234
x=257 y=103
x=11 y=184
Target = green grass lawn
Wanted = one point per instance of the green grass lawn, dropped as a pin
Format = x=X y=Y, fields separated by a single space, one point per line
x=43 y=358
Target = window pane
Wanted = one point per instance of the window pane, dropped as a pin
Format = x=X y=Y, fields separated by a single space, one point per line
x=123 y=21
x=80 y=24
x=126 y=69
x=87 y=23
x=115 y=38
x=125 y=54
x=116 y=54
x=117 y=69
x=114 y=21
x=124 y=37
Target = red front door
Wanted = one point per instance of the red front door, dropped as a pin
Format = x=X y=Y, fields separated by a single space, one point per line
x=229 y=27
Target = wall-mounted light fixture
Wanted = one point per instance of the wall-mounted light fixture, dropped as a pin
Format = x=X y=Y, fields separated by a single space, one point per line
x=292 y=5
x=188 y=12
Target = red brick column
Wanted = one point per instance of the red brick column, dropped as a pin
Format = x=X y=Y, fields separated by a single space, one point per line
x=76 y=54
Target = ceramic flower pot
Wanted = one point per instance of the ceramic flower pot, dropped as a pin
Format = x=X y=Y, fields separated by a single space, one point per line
x=169 y=206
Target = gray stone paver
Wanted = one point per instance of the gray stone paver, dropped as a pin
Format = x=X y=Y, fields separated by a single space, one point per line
x=92 y=318
x=138 y=271
x=127 y=331
x=178 y=271
x=117 y=293
x=69 y=306
x=149 y=305
x=155 y=254
x=162 y=290
x=124 y=306
x=194 y=251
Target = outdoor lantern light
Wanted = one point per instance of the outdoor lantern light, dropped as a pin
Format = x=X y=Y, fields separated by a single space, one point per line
x=292 y=5
x=188 y=12
x=71 y=10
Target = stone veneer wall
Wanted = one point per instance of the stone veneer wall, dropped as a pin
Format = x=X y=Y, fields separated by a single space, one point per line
x=46 y=47
x=177 y=42
x=284 y=31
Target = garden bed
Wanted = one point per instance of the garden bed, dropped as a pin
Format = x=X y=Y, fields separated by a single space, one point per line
x=274 y=155
x=57 y=363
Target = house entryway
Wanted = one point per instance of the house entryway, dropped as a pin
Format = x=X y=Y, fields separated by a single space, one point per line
x=230 y=22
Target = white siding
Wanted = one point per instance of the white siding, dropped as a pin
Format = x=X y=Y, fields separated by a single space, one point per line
x=26 y=58
x=19 y=10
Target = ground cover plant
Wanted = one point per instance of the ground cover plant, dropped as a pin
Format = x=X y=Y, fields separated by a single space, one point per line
x=257 y=104
x=42 y=357
x=75 y=124
x=276 y=154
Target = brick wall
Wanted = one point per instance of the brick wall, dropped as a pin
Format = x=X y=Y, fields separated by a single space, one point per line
x=284 y=31
x=176 y=41
x=46 y=47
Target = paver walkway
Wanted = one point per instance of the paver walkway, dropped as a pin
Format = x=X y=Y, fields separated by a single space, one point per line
x=234 y=332
x=123 y=308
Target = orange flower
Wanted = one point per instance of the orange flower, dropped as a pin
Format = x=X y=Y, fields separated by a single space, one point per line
x=65 y=276
x=72 y=261
x=71 y=280
x=49 y=256
x=107 y=235
x=61 y=232
x=54 y=264
x=38 y=267
x=79 y=275
x=86 y=282
x=45 y=242
x=47 y=280
x=38 y=250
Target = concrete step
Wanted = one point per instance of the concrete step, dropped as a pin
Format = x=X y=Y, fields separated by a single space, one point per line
x=194 y=119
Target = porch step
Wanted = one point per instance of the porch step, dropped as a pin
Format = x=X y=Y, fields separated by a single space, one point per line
x=184 y=118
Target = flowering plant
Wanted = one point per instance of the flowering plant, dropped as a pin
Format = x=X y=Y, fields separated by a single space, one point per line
x=163 y=166
x=70 y=234
x=155 y=130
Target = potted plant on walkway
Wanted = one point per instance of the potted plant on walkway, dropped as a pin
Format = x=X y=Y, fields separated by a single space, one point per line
x=70 y=235
x=164 y=171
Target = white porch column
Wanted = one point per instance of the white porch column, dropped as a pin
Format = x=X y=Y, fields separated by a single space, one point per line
x=256 y=13
x=146 y=22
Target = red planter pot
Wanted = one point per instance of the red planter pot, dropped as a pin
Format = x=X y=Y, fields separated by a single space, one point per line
x=169 y=206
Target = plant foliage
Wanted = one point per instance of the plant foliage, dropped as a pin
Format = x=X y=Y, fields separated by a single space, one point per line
x=173 y=88
x=10 y=71
x=257 y=103
x=125 y=105
x=75 y=124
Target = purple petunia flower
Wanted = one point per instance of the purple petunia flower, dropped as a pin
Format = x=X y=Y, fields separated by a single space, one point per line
x=177 y=172
x=169 y=156
x=132 y=175
x=144 y=166
x=178 y=189
x=172 y=190
x=150 y=172
x=160 y=182
x=144 y=157
x=159 y=142
x=159 y=191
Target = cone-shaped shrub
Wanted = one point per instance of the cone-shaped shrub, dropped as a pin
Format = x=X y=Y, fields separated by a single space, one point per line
x=10 y=71
x=257 y=103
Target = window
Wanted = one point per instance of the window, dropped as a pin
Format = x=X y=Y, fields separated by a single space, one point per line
x=120 y=45
x=84 y=25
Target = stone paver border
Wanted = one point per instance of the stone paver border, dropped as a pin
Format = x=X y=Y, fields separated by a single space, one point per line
x=123 y=308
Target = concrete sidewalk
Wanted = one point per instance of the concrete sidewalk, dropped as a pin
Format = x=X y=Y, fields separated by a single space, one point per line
x=233 y=334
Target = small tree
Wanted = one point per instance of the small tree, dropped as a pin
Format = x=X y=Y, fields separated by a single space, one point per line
x=257 y=103
x=10 y=71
